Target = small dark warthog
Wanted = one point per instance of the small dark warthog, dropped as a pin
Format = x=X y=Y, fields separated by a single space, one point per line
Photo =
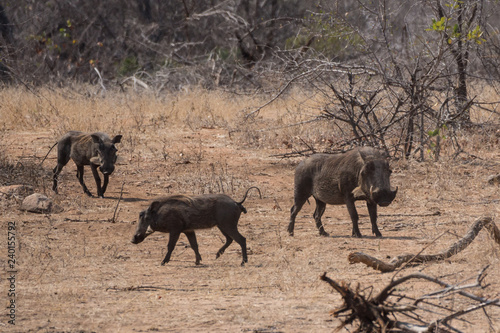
x=360 y=174
x=96 y=150
x=178 y=214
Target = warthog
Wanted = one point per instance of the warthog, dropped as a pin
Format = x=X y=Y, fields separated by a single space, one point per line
x=96 y=150
x=178 y=214
x=360 y=174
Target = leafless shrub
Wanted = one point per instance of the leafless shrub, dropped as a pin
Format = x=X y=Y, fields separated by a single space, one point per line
x=392 y=311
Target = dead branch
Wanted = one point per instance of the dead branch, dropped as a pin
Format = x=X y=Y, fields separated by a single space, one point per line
x=487 y=222
x=282 y=90
x=113 y=219
x=380 y=314
x=145 y=288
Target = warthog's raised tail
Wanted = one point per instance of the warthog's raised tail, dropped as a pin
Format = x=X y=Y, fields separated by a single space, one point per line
x=243 y=209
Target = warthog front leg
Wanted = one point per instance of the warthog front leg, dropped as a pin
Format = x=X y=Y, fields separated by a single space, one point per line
x=100 y=192
x=372 y=210
x=79 y=175
x=105 y=184
x=174 y=237
x=353 y=213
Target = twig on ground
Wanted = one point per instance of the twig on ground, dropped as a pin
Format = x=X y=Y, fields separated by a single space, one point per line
x=113 y=220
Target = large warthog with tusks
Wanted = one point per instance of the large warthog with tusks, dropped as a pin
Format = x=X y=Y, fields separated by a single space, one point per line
x=178 y=214
x=95 y=149
x=337 y=179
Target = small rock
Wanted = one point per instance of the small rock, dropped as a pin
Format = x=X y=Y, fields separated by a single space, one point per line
x=37 y=203
x=16 y=191
x=494 y=180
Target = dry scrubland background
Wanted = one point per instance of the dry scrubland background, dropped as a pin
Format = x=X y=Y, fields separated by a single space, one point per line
x=79 y=272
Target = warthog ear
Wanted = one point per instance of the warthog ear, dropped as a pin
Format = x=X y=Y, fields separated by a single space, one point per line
x=370 y=166
x=96 y=138
x=117 y=138
x=155 y=205
x=95 y=160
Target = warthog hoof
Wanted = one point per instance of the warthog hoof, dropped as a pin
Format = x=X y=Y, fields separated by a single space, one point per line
x=322 y=232
x=356 y=234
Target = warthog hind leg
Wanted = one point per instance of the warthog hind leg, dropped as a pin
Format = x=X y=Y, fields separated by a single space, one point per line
x=191 y=236
x=299 y=202
x=318 y=213
x=233 y=234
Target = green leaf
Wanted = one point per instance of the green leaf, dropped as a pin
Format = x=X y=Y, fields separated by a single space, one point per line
x=433 y=133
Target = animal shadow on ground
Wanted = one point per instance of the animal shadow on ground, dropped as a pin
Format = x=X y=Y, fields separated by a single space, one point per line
x=370 y=237
x=128 y=199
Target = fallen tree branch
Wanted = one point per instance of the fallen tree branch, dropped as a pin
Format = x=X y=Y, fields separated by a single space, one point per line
x=380 y=313
x=486 y=222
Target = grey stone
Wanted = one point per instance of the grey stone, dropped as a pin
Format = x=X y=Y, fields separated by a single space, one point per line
x=37 y=203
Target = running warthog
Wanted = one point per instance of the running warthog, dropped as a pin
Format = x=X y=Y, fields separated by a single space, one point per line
x=96 y=150
x=360 y=174
x=178 y=214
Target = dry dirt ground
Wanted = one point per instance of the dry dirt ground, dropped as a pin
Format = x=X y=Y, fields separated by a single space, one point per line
x=77 y=271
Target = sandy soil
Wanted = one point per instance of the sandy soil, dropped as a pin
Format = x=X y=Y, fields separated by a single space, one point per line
x=77 y=271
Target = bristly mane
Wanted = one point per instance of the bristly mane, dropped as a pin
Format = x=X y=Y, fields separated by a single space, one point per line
x=178 y=198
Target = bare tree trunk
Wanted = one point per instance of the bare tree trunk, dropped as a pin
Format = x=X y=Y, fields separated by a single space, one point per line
x=461 y=55
x=6 y=31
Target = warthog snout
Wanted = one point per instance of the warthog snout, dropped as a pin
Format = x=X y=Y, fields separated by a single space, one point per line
x=383 y=197
x=107 y=170
x=143 y=227
x=138 y=238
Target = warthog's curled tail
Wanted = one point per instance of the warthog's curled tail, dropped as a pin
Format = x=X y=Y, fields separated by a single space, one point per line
x=243 y=209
